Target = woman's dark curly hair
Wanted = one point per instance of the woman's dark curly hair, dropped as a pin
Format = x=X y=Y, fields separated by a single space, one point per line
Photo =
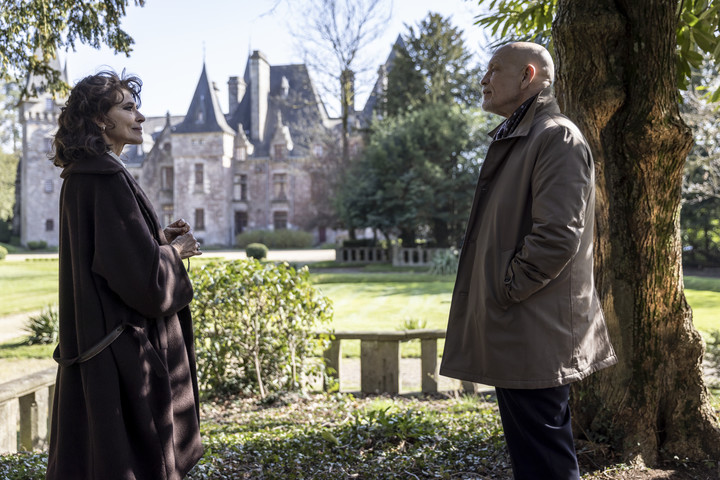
x=78 y=134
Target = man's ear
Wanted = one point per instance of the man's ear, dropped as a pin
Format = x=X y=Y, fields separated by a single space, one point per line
x=528 y=76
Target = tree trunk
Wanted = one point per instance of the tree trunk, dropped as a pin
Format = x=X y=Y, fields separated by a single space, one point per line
x=616 y=80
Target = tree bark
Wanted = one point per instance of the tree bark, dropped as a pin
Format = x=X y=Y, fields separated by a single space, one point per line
x=616 y=80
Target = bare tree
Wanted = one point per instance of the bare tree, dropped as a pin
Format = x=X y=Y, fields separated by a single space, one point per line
x=331 y=38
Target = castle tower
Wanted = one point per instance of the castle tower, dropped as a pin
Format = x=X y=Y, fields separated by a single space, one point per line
x=202 y=146
x=40 y=180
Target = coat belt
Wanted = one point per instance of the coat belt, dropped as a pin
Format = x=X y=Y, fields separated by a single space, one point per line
x=139 y=333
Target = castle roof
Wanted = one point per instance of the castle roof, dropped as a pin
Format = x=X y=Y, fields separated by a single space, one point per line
x=204 y=114
x=293 y=96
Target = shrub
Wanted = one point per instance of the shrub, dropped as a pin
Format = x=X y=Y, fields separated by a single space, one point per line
x=257 y=251
x=444 y=262
x=3 y=252
x=276 y=238
x=37 y=244
x=254 y=327
x=43 y=328
x=5 y=230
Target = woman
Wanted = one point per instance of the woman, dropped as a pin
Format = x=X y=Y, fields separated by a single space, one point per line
x=126 y=399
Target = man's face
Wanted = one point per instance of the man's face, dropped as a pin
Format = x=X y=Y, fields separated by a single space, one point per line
x=501 y=84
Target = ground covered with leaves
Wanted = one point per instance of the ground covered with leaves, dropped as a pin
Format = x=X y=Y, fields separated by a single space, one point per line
x=341 y=436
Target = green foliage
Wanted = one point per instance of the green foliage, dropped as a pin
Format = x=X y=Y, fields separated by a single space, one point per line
x=257 y=251
x=520 y=20
x=3 y=252
x=37 y=244
x=32 y=32
x=432 y=66
x=444 y=262
x=417 y=172
x=8 y=171
x=254 y=324
x=339 y=436
x=23 y=466
x=701 y=179
x=44 y=328
x=275 y=238
x=410 y=323
x=697 y=30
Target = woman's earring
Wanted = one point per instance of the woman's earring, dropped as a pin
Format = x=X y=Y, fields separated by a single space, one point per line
x=102 y=128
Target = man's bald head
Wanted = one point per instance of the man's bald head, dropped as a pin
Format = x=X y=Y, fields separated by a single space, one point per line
x=516 y=72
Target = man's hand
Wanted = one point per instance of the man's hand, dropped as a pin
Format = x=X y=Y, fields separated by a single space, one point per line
x=175 y=229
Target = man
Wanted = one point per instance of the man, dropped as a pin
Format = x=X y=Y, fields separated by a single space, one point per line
x=525 y=317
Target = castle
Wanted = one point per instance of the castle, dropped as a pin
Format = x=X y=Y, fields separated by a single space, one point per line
x=257 y=167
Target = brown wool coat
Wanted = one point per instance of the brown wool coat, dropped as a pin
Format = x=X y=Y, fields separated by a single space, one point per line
x=131 y=412
x=524 y=310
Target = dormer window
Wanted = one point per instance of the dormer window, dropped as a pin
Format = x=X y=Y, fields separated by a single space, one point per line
x=279 y=152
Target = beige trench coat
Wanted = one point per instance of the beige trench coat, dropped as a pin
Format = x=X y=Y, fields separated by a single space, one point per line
x=525 y=313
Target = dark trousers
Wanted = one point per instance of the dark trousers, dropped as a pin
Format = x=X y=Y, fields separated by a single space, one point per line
x=538 y=433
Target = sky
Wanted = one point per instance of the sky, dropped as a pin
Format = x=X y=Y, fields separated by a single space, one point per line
x=174 y=37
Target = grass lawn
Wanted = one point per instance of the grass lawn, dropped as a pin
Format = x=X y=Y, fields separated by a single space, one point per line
x=27 y=286
x=368 y=300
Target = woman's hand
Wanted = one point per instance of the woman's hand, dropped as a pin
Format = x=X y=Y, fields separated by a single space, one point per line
x=175 y=229
x=186 y=245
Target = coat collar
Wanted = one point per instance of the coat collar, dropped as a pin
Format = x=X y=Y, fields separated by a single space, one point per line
x=102 y=165
x=545 y=103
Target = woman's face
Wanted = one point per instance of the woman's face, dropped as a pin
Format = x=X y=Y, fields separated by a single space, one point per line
x=125 y=124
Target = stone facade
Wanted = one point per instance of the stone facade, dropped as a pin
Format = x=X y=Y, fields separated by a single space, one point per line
x=40 y=180
x=225 y=173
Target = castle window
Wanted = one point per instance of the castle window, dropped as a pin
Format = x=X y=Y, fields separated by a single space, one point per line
x=199 y=219
x=168 y=213
x=241 y=154
x=318 y=150
x=49 y=104
x=279 y=181
x=279 y=151
x=280 y=220
x=241 y=221
x=49 y=225
x=199 y=174
x=48 y=186
x=240 y=187
x=167 y=177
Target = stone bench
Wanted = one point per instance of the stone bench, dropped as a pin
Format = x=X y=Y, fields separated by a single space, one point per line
x=380 y=358
x=25 y=409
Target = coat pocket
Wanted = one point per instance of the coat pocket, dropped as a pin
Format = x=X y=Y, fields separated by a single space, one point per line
x=503 y=279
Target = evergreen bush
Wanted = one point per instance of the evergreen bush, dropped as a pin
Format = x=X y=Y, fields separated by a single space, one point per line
x=37 y=244
x=257 y=251
x=3 y=252
x=275 y=238
x=254 y=325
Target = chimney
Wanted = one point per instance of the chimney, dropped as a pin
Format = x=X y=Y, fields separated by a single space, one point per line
x=259 y=91
x=236 y=91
